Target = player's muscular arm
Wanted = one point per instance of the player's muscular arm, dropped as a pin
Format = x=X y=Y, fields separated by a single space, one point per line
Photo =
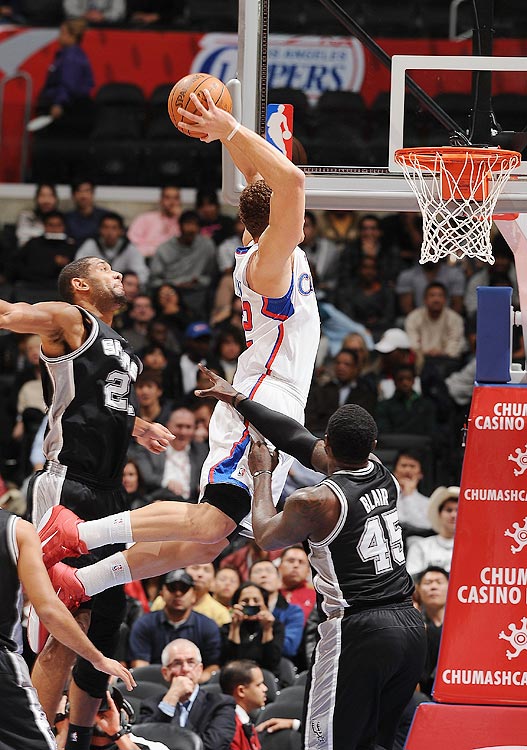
x=55 y=322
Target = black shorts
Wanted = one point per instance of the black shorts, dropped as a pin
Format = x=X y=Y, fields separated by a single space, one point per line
x=23 y=724
x=365 y=669
x=89 y=500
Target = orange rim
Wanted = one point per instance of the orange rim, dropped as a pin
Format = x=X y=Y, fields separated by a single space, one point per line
x=425 y=156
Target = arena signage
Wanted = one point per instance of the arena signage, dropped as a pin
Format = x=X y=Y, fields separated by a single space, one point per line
x=483 y=657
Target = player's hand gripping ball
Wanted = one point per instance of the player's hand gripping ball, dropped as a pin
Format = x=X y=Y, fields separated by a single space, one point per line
x=196 y=83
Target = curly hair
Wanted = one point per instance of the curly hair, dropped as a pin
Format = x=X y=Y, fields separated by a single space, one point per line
x=351 y=433
x=254 y=207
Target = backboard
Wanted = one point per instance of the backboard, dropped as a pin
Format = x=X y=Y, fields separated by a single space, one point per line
x=351 y=112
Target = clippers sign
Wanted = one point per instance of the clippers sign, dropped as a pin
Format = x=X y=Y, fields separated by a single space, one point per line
x=311 y=63
x=483 y=657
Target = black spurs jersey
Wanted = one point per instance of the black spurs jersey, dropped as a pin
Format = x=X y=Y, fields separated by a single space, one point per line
x=10 y=588
x=361 y=563
x=91 y=403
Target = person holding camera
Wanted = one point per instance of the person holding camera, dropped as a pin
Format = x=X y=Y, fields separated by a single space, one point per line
x=253 y=632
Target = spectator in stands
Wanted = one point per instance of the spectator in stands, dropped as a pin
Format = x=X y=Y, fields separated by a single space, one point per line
x=230 y=343
x=406 y=411
x=171 y=311
x=113 y=245
x=253 y=633
x=39 y=262
x=152 y=632
x=412 y=283
x=183 y=457
x=503 y=265
x=226 y=581
x=151 y=229
x=295 y=572
x=132 y=288
x=265 y=574
x=185 y=704
x=435 y=330
x=67 y=88
x=215 y=225
x=412 y=506
x=243 y=558
x=394 y=350
x=96 y=12
x=85 y=219
x=221 y=309
x=244 y=681
x=134 y=486
x=323 y=256
x=196 y=350
x=150 y=13
x=346 y=387
x=188 y=262
x=141 y=313
x=366 y=299
x=370 y=243
x=431 y=586
x=340 y=227
x=149 y=391
x=165 y=364
x=202 y=409
x=203 y=577
x=30 y=222
x=437 y=549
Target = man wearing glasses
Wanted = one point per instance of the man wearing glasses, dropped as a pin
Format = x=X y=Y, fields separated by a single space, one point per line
x=152 y=632
x=185 y=704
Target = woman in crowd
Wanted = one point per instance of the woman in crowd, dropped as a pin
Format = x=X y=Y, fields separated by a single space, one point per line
x=29 y=223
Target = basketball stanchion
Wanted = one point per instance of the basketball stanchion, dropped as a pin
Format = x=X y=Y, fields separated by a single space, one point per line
x=457 y=190
x=482 y=666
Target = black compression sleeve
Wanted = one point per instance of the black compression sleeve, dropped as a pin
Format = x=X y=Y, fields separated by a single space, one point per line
x=285 y=433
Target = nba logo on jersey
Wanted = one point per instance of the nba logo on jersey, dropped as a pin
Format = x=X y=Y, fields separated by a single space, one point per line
x=279 y=127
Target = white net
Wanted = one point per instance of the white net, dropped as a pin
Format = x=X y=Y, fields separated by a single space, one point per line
x=457 y=190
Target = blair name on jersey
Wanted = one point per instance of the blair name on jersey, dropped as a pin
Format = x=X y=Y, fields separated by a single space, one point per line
x=374 y=499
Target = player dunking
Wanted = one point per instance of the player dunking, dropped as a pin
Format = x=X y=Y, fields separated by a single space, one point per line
x=281 y=324
x=88 y=373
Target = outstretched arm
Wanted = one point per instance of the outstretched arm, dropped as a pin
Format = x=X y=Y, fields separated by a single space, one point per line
x=285 y=433
x=54 y=322
x=53 y=614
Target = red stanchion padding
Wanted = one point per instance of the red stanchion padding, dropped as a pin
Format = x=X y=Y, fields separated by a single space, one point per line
x=438 y=727
x=483 y=656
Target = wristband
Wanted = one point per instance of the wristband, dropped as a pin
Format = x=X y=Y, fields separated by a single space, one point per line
x=233 y=400
x=234 y=131
x=295 y=726
x=264 y=471
x=119 y=734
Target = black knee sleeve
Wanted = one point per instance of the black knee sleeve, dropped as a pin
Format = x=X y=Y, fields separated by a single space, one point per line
x=232 y=500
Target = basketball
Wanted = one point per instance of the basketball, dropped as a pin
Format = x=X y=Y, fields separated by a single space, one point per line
x=196 y=83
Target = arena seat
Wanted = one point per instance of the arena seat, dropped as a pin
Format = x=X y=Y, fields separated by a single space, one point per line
x=175 y=738
x=149 y=673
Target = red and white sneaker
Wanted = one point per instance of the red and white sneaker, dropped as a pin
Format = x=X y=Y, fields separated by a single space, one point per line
x=70 y=592
x=59 y=535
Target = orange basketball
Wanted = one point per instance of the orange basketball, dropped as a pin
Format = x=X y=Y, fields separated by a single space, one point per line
x=196 y=83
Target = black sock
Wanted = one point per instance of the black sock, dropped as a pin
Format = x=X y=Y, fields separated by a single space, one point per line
x=79 y=738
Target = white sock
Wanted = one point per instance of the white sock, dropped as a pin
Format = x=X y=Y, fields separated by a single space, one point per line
x=113 y=571
x=116 y=529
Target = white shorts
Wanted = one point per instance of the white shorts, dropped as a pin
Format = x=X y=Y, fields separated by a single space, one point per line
x=230 y=440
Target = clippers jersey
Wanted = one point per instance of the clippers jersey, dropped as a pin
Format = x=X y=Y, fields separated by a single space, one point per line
x=282 y=333
x=10 y=588
x=361 y=564
x=91 y=403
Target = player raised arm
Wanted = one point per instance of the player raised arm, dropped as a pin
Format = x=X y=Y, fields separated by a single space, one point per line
x=54 y=322
x=52 y=612
x=270 y=270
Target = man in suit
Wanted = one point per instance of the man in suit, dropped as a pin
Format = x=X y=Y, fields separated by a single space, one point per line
x=346 y=387
x=179 y=469
x=210 y=715
x=243 y=679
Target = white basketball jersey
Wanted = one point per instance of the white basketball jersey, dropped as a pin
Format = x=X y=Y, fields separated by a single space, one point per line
x=282 y=333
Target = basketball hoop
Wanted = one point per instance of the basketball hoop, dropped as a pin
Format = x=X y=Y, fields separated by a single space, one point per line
x=457 y=190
